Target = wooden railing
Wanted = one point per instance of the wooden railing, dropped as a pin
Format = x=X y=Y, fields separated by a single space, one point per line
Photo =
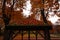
x=8 y=33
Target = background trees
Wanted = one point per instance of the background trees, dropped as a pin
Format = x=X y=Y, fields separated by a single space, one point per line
x=9 y=13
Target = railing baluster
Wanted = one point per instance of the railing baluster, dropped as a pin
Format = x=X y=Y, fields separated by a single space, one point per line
x=22 y=35
x=46 y=35
x=36 y=34
x=29 y=35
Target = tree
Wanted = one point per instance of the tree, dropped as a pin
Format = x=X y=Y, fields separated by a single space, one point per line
x=6 y=19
